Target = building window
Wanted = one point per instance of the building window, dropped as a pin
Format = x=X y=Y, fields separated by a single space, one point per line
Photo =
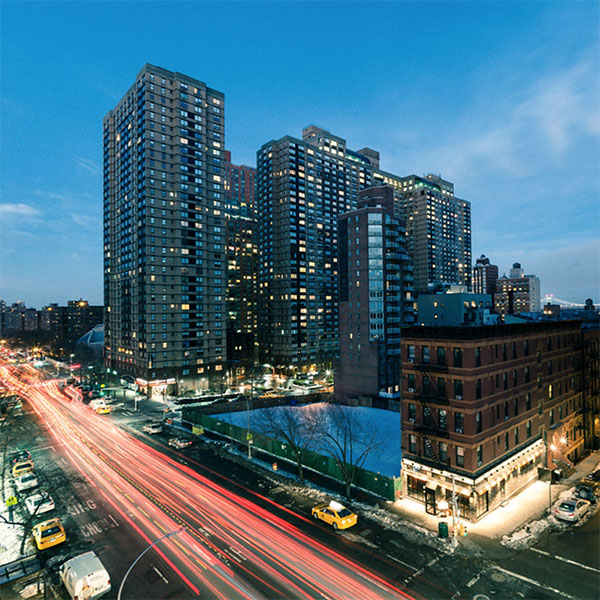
x=516 y=436
x=412 y=412
x=479 y=456
x=514 y=349
x=411 y=382
x=441 y=385
x=478 y=389
x=458 y=389
x=411 y=353
x=506 y=411
x=539 y=382
x=526 y=347
x=478 y=422
x=515 y=379
x=457 y=357
x=528 y=430
x=504 y=352
x=460 y=456
x=443 y=452
x=504 y=381
x=443 y=414
x=412 y=443
x=477 y=357
x=459 y=422
x=528 y=401
x=441 y=355
x=551 y=416
x=527 y=375
x=516 y=406
x=426 y=357
x=506 y=441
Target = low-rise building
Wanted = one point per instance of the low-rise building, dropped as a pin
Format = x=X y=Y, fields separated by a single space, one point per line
x=484 y=407
x=454 y=307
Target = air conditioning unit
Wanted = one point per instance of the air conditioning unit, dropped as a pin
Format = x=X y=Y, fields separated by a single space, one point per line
x=459 y=430
x=411 y=360
x=411 y=420
x=411 y=389
x=458 y=397
x=479 y=463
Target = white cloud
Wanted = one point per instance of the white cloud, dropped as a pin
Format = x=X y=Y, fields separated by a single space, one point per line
x=87 y=165
x=18 y=209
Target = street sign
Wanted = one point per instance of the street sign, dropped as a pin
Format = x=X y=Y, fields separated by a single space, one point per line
x=249 y=436
x=11 y=501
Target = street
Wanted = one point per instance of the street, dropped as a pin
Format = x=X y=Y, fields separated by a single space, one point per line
x=245 y=535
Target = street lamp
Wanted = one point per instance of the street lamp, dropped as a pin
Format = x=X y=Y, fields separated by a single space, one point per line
x=160 y=539
x=553 y=447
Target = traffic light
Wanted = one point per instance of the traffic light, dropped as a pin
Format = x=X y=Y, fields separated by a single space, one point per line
x=463 y=530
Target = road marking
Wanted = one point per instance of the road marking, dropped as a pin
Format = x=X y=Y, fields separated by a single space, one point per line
x=401 y=562
x=113 y=520
x=161 y=575
x=536 y=583
x=473 y=581
x=417 y=573
x=571 y=562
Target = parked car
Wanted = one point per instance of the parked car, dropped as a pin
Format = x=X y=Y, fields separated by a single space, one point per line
x=594 y=475
x=20 y=456
x=335 y=514
x=84 y=576
x=588 y=489
x=39 y=503
x=26 y=482
x=179 y=443
x=571 y=509
x=152 y=428
x=49 y=533
x=19 y=468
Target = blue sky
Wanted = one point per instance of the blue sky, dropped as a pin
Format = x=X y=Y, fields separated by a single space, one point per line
x=502 y=98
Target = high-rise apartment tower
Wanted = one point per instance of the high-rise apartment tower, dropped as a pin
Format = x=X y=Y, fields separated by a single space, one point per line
x=165 y=264
x=485 y=276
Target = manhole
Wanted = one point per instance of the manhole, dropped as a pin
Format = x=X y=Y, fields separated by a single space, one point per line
x=498 y=577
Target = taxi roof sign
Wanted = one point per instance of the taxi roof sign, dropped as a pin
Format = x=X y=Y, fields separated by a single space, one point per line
x=11 y=501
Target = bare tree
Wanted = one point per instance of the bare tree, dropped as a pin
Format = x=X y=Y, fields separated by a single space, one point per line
x=293 y=425
x=347 y=438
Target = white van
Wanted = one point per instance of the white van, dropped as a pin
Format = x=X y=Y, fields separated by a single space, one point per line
x=97 y=403
x=85 y=577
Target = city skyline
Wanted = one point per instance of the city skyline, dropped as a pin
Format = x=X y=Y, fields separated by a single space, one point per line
x=503 y=104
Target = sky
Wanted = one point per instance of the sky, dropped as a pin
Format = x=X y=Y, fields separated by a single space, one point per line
x=501 y=98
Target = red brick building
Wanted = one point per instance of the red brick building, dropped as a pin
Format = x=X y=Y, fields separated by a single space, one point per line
x=486 y=406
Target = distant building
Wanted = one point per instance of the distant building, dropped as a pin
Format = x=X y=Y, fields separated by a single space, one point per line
x=66 y=324
x=484 y=405
x=439 y=232
x=551 y=310
x=484 y=276
x=242 y=256
x=375 y=291
x=455 y=308
x=518 y=293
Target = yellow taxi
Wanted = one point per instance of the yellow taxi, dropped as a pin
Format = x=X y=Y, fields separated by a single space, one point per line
x=335 y=514
x=24 y=466
x=49 y=533
x=103 y=410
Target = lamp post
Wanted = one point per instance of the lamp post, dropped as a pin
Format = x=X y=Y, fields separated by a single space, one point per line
x=552 y=447
x=160 y=539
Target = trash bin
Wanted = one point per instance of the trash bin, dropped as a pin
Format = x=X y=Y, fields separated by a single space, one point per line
x=442 y=529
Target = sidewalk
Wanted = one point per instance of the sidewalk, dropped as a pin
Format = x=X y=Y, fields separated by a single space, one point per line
x=528 y=506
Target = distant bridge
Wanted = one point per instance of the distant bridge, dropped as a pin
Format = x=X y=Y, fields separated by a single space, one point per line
x=552 y=299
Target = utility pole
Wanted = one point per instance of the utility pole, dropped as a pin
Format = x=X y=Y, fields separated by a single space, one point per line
x=454 y=515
